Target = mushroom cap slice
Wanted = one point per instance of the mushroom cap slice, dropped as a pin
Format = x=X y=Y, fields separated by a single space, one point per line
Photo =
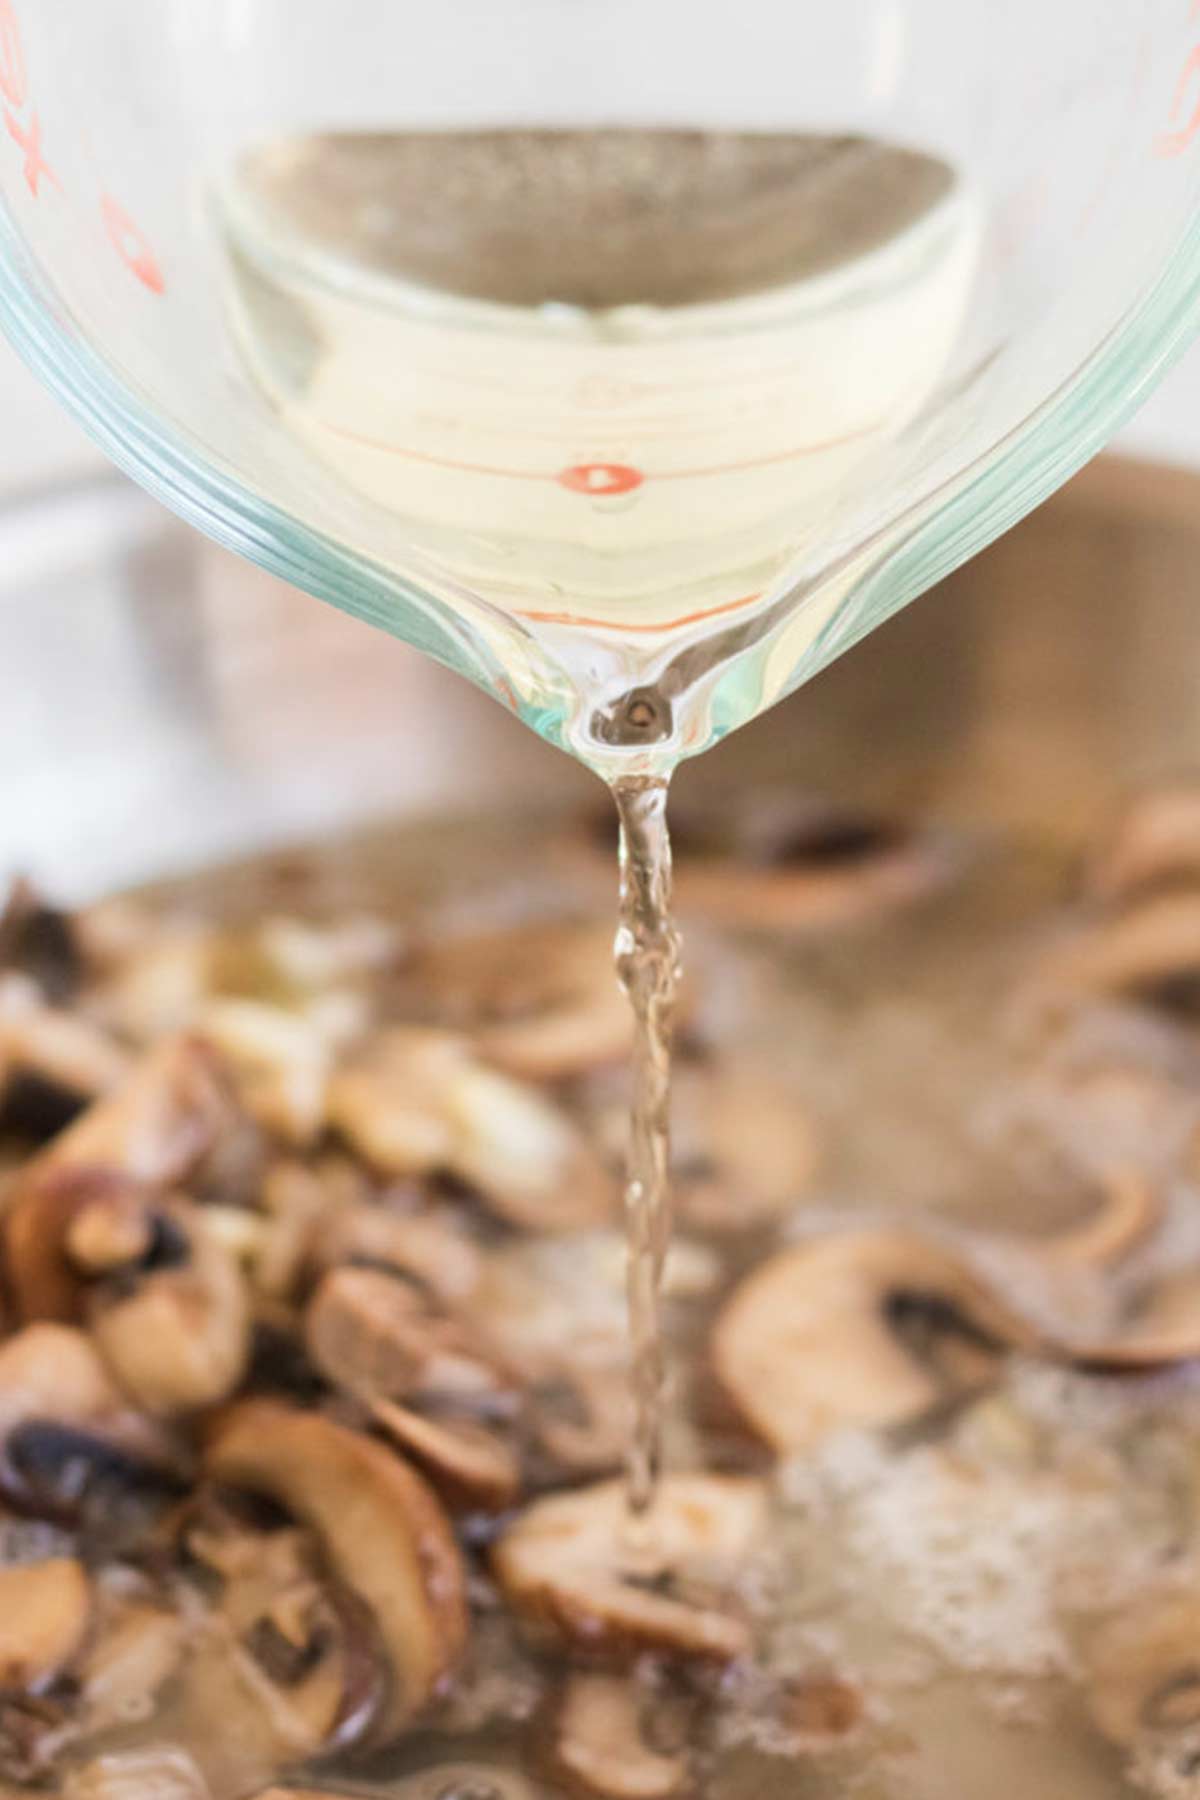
x=1164 y=1330
x=383 y=1533
x=598 y=1747
x=1151 y=952
x=527 y=1159
x=1130 y=1212
x=150 y=1132
x=55 y=1372
x=1143 y=1671
x=420 y=1101
x=178 y=1338
x=468 y=1464
x=541 y=1001
x=377 y=1336
x=1156 y=841
x=158 y=1772
x=808 y=1343
x=279 y=1062
x=45 y=1608
x=743 y=1150
x=565 y=1563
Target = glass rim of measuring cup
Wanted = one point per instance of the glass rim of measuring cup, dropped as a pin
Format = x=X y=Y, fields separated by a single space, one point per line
x=967 y=511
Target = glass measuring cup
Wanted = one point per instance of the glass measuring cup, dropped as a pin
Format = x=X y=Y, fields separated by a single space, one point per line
x=1074 y=143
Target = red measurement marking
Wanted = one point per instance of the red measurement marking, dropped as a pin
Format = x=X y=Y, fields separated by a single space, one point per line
x=29 y=139
x=13 y=83
x=692 y=618
x=129 y=242
x=582 y=480
x=601 y=478
x=1182 y=134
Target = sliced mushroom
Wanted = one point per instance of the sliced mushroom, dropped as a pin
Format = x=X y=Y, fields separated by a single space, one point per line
x=1162 y=1329
x=280 y=1063
x=1143 y=1671
x=52 y=1063
x=744 y=1150
x=598 y=1746
x=420 y=1102
x=794 y=863
x=379 y=1337
x=437 y=1781
x=175 y=1330
x=434 y=1248
x=151 y=1132
x=1150 y=954
x=1129 y=1213
x=581 y=1415
x=525 y=1157
x=53 y=1373
x=541 y=1001
x=286 y=1658
x=865 y=1328
x=109 y=1224
x=382 y=1532
x=567 y=1564
x=470 y=1466
x=1155 y=843
x=156 y=1772
x=45 y=1607
x=136 y=1646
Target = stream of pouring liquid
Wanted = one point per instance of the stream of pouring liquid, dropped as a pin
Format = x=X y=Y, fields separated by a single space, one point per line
x=647 y=959
x=609 y=382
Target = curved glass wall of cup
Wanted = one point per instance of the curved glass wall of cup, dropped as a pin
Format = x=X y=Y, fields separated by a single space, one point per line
x=1073 y=137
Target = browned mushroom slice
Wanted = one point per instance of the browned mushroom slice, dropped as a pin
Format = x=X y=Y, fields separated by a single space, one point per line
x=1163 y=1328
x=798 y=864
x=434 y=1248
x=469 y=1465
x=581 y=1416
x=175 y=1328
x=280 y=1063
x=1155 y=843
x=389 y=1102
x=1143 y=1671
x=135 y=1647
x=438 y=1781
x=152 y=1132
x=376 y=1335
x=1150 y=953
x=1129 y=1213
x=598 y=1746
x=382 y=1532
x=866 y=1328
x=566 y=1564
x=287 y=1658
x=53 y=1373
x=45 y=1607
x=110 y=1224
x=156 y=1772
x=524 y=1156
x=744 y=1150
x=541 y=1001
x=419 y=1101
x=52 y=1063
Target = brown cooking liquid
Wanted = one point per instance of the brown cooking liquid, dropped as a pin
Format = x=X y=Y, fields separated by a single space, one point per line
x=922 y=1599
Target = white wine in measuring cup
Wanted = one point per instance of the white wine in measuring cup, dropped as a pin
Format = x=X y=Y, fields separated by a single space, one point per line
x=616 y=378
